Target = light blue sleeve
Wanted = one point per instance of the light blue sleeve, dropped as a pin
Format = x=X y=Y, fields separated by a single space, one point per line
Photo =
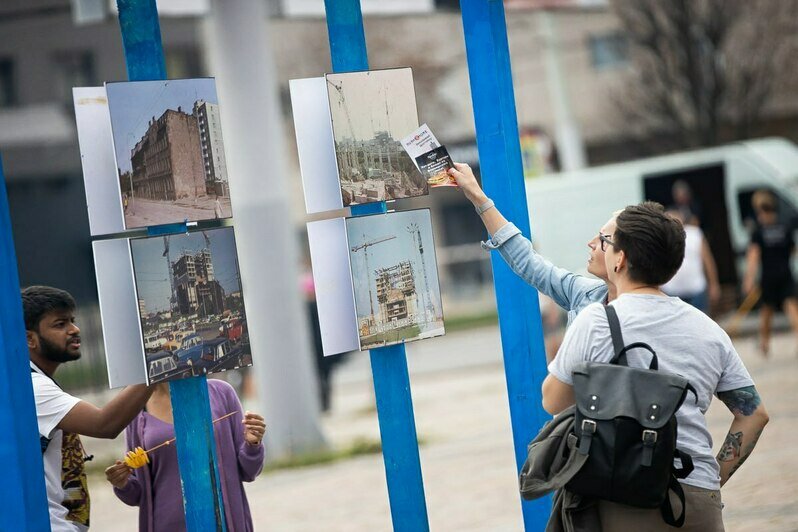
x=567 y=289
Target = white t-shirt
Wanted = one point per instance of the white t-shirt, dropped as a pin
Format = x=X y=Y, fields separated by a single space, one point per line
x=52 y=404
x=687 y=342
x=690 y=279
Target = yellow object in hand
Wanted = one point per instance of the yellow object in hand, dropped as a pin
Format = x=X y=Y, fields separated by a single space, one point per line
x=136 y=458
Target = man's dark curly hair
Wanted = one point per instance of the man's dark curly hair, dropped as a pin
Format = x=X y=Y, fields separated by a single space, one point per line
x=652 y=241
x=39 y=300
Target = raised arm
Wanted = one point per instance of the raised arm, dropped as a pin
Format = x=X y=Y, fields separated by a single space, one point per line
x=750 y=418
x=467 y=182
x=564 y=287
x=109 y=421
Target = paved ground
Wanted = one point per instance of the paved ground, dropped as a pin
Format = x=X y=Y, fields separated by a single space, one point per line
x=462 y=415
x=143 y=212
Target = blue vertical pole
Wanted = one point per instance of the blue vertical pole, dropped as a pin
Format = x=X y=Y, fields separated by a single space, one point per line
x=388 y=364
x=22 y=489
x=503 y=180
x=196 y=446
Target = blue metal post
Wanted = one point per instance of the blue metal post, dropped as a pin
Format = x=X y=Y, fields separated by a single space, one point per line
x=196 y=446
x=22 y=489
x=503 y=180
x=388 y=364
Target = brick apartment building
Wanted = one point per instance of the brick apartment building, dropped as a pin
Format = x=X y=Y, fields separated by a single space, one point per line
x=167 y=161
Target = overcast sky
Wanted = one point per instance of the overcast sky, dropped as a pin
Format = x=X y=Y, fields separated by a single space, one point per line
x=366 y=95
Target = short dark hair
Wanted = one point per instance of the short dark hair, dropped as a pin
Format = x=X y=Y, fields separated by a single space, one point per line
x=652 y=241
x=39 y=300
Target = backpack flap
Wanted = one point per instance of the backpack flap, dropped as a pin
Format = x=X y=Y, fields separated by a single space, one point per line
x=607 y=391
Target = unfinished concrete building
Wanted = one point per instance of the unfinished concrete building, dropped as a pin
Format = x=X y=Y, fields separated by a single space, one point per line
x=396 y=295
x=197 y=290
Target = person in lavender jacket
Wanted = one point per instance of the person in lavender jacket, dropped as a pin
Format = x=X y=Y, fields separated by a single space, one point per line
x=570 y=291
x=155 y=488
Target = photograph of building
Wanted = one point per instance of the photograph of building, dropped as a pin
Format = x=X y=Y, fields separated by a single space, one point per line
x=169 y=151
x=371 y=112
x=395 y=278
x=192 y=313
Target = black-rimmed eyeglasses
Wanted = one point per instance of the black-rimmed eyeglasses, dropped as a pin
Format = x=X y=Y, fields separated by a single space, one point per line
x=604 y=241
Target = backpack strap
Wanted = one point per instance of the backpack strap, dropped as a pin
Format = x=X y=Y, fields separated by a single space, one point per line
x=615 y=329
x=667 y=509
x=673 y=484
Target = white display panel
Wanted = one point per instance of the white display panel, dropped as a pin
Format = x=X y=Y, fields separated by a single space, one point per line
x=332 y=276
x=97 y=158
x=119 y=311
x=314 y=139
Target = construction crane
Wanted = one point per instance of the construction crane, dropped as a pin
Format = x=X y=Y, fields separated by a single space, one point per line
x=169 y=273
x=365 y=247
x=415 y=232
x=342 y=103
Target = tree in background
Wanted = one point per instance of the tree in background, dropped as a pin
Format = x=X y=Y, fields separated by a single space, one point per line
x=705 y=70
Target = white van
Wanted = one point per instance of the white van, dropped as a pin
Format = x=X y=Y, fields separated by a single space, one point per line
x=567 y=209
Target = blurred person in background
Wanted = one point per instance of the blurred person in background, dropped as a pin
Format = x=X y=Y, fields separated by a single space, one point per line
x=683 y=201
x=768 y=256
x=53 y=339
x=696 y=282
x=570 y=291
x=155 y=487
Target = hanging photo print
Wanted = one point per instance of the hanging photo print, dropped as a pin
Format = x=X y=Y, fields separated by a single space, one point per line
x=169 y=151
x=371 y=112
x=190 y=304
x=395 y=278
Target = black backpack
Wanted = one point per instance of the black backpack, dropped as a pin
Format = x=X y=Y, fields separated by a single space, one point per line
x=626 y=423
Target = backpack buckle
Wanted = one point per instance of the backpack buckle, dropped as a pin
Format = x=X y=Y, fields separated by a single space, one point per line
x=588 y=429
x=649 y=442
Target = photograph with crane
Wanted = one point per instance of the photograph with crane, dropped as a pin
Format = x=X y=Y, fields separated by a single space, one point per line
x=169 y=151
x=190 y=303
x=395 y=278
x=371 y=112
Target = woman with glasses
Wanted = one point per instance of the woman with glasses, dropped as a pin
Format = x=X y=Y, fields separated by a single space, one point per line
x=644 y=248
x=570 y=291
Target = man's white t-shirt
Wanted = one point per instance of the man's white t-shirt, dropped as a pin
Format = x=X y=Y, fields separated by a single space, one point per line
x=690 y=280
x=687 y=342
x=52 y=404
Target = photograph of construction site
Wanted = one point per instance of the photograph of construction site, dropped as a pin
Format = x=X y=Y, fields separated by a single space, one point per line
x=395 y=278
x=190 y=304
x=169 y=151
x=371 y=112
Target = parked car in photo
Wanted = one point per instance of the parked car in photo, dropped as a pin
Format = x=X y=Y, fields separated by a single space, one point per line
x=217 y=351
x=175 y=339
x=190 y=351
x=153 y=343
x=162 y=365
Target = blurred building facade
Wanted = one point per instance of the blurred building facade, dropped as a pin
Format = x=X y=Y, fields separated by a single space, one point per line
x=44 y=54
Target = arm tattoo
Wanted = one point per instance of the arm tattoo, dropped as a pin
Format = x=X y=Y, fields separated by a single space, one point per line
x=742 y=400
x=731 y=447
x=746 y=452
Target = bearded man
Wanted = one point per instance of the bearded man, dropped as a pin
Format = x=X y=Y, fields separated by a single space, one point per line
x=53 y=339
